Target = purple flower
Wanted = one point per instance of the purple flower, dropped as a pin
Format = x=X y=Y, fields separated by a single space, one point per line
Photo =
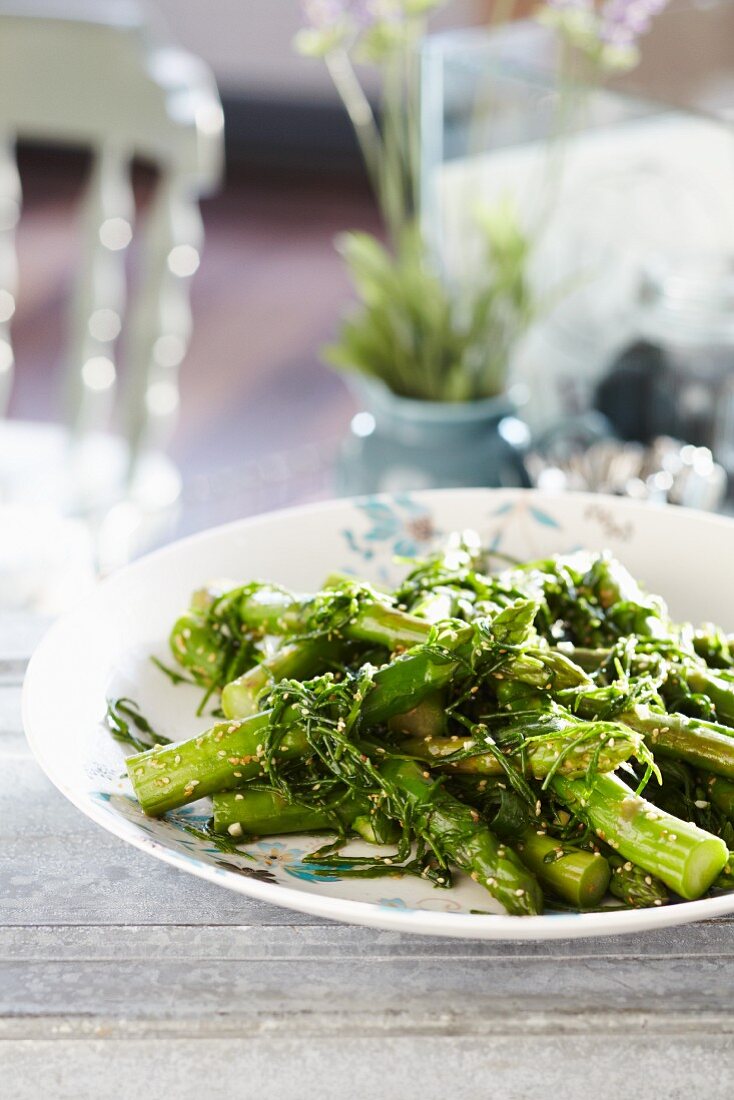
x=622 y=22
x=327 y=14
x=571 y=5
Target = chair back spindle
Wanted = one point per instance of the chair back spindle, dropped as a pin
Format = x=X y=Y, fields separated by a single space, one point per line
x=10 y=200
x=159 y=325
x=98 y=299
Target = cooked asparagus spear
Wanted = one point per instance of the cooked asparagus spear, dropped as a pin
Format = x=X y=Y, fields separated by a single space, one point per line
x=456 y=831
x=574 y=874
x=352 y=611
x=686 y=858
x=300 y=661
x=221 y=759
x=633 y=885
x=264 y=812
x=570 y=750
x=579 y=877
x=721 y=793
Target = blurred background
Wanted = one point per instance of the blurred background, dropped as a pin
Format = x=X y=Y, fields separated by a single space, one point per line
x=172 y=177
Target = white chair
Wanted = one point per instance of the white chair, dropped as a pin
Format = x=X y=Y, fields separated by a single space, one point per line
x=104 y=76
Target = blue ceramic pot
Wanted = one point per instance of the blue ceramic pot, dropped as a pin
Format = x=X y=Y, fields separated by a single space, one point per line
x=397 y=443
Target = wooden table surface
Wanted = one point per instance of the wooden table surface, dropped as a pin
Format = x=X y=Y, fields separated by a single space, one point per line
x=120 y=976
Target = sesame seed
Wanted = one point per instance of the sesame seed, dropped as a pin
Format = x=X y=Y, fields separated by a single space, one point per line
x=519 y=893
x=235 y=829
x=238 y=797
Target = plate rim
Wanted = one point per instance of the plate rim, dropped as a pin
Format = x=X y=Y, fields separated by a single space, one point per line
x=366 y=913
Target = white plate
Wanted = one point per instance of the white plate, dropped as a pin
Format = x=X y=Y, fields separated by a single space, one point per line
x=104 y=646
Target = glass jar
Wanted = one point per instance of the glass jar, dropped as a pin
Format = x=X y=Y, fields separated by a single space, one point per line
x=686 y=322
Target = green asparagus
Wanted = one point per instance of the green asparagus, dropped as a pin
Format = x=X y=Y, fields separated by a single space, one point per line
x=475 y=720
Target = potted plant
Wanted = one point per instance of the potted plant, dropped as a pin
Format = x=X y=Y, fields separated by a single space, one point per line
x=428 y=359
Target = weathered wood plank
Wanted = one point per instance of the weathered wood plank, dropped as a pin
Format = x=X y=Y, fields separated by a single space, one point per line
x=94 y=878
x=258 y=942
x=329 y=990
x=388 y=1067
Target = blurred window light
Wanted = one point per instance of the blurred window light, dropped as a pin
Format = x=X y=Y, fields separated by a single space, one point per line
x=7 y=305
x=363 y=424
x=6 y=357
x=514 y=431
x=115 y=233
x=162 y=398
x=183 y=260
x=98 y=373
x=9 y=214
x=169 y=350
x=105 y=325
x=210 y=118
